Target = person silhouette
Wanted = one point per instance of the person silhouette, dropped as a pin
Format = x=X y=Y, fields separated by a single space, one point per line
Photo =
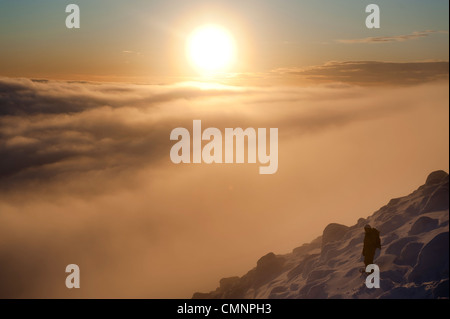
x=371 y=243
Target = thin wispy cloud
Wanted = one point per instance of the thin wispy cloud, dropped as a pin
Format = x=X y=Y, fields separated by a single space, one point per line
x=396 y=38
x=369 y=72
x=132 y=52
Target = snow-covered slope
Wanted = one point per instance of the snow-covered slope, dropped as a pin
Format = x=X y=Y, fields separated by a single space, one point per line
x=414 y=259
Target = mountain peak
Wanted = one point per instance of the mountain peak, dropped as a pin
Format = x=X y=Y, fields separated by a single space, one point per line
x=436 y=177
x=413 y=262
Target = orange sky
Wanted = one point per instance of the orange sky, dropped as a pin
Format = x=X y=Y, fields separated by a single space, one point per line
x=145 y=41
x=86 y=116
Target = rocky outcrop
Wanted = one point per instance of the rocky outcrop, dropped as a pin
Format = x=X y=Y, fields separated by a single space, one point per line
x=423 y=224
x=432 y=264
x=436 y=177
x=414 y=259
x=333 y=232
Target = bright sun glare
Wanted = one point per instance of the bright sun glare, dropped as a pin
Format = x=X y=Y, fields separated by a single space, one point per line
x=211 y=49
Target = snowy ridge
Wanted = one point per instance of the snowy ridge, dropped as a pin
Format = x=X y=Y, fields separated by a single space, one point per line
x=414 y=259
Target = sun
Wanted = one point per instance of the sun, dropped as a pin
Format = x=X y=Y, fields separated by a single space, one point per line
x=211 y=49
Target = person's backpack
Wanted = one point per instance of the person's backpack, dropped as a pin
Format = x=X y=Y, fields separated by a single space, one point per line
x=375 y=238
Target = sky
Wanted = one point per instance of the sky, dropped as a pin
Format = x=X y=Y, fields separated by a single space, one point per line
x=142 y=40
x=86 y=116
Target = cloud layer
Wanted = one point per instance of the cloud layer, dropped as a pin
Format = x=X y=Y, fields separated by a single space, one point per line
x=86 y=178
x=395 y=38
x=51 y=129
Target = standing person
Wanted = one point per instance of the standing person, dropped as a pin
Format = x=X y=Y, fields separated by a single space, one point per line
x=371 y=243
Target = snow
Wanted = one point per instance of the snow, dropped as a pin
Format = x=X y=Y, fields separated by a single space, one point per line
x=413 y=261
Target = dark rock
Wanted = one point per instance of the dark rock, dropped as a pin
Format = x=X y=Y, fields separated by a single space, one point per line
x=305 y=248
x=444 y=224
x=409 y=254
x=406 y=293
x=277 y=290
x=396 y=276
x=333 y=232
x=353 y=272
x=304 y=290
x=293 y=287
x=436 y=177
x=330 y=251
x=413 y=210
x=228 y=283
x=269 y=263
x=423 y=224
x=396 y=247
x=361 y=222
x=317 y=292
x=389 y=239
x=391 y=224
x=359 y=239
x=441 y=290
x=319 y=274
x=386 y=284
x=267 y=268
x=394 y=201
x=301 y=267
x=201 y=295
x=317 y=242
x=309 y=265
x=299 y=251
x=439 y=200
x=433 y=261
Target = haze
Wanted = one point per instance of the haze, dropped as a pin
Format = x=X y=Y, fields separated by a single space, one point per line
x=86 y=116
